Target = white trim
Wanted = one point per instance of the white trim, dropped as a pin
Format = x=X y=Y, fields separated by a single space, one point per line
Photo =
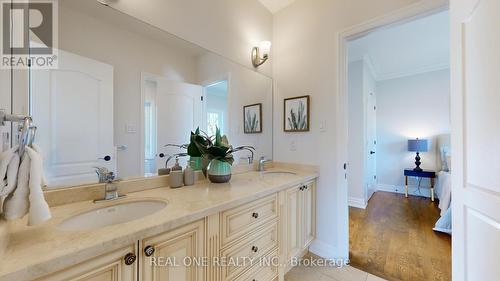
x=412 y=190
x=379 y=76
x=357 y=202
x=416 y=71
x=325 y=250
x=418 y=10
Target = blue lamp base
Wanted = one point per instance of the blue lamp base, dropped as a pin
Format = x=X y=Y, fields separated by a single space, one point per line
x=417 y=163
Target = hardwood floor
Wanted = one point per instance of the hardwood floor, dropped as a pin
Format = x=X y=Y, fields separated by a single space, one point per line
x=393 y=239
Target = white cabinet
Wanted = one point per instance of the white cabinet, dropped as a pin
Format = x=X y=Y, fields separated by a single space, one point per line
x=119 y=265
x=172 y=256
x=309 y=214
x=280 y=225
x=299 y=220
x=293 y=222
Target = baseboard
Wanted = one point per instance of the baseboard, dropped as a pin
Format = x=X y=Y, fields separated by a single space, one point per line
x=357 y=202
x=325 y=250
x=412 y=190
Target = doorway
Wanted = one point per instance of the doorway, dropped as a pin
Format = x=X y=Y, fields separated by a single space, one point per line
x=382 y=85
x=215 y=112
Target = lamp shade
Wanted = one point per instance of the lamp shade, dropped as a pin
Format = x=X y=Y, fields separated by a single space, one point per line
x=418 y=145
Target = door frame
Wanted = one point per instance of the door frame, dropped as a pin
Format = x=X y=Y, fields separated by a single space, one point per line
x=412 y=12
x=144 y=76
x=212 y=81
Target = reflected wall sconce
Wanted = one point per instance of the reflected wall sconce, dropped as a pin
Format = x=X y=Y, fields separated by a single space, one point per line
x=260 y=54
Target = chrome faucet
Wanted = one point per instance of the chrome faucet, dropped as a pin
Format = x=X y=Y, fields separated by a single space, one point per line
x=110 y=184
x=262 y=162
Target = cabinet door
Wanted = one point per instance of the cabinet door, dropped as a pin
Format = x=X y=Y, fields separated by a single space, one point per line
x=108 y=267
x=293 y=227
x=309 y=214
x=173 y=253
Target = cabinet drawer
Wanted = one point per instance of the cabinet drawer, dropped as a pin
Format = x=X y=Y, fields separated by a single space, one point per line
x=253 y=247
x=113 y=266
x=262 y=272
x=243 y=219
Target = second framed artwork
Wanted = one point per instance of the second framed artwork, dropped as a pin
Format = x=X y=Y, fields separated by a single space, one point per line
x=252 y=118
x=296 y=114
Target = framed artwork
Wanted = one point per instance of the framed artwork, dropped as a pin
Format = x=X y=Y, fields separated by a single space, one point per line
x=296 y=114
x=252 y=118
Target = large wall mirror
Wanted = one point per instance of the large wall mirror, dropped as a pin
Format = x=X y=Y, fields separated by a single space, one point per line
x=125 y=89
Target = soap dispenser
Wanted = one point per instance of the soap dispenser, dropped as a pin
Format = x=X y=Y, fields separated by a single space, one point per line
x=176 y=178
x=188 y=175
x=176 y=167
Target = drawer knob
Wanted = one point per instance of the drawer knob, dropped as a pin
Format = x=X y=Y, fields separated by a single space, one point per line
x=255 y=215
x=130 y=258
x=301 y=188
x=255 y=249
x=149 y=251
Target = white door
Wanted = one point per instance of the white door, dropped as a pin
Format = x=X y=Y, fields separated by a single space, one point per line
x=179 y=111
x=73 y=110
x=371 y=145
x=476 y=139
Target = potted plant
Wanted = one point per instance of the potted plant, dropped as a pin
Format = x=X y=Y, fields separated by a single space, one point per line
x=217 y=156
x=195 y=156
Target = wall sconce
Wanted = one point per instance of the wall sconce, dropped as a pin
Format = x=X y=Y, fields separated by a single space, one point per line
x=261 y=54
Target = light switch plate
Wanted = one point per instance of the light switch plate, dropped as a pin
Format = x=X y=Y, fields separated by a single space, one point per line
x=322 y=126
x=130 y=129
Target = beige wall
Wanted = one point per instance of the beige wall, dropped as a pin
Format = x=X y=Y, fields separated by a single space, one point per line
x=227 y=27
x=130 y=53
x=245 y=87
x=305 y=42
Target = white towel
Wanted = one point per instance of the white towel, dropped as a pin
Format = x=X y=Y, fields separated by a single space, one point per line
x=39 y=151
x=9 y=165
x=17 y=204
x=39 y=209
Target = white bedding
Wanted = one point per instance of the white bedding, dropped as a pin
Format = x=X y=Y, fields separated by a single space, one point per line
x=443 y=192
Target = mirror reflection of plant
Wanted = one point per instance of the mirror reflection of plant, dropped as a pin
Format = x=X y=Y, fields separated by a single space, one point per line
x=191 y=148
x=298 y=121
x=217 y=148
x=251 y=122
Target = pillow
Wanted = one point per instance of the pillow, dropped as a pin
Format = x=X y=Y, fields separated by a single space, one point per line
x=444 y=153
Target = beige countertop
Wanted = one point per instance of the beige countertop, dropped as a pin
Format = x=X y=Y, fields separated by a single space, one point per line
x=36 y=251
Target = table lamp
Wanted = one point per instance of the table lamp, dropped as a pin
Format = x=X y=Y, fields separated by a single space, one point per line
x=418 y=145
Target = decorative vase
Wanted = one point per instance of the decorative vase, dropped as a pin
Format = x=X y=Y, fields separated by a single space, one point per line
x=219 y=171
x=195 y=163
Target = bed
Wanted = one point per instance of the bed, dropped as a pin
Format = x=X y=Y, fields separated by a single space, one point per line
x=443 y=185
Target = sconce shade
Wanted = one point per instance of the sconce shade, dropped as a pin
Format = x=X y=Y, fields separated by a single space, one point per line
x=265 y=48
x=260 y=54
x=418 y=145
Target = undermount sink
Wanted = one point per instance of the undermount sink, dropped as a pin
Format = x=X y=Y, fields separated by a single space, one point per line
x=114 y=214
x=278 y=173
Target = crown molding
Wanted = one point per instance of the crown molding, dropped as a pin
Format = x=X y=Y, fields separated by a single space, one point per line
x=416 y=71
x=379 y=76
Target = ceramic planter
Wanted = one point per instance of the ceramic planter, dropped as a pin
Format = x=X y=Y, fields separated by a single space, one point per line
x=195 y=163
x=219 y=171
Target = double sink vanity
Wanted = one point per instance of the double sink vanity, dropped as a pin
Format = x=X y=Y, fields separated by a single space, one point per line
x=248 y=229
x=124 y=98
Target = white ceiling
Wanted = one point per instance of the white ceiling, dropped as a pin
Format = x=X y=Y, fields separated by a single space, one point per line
x=275 y=5
x=411 y=48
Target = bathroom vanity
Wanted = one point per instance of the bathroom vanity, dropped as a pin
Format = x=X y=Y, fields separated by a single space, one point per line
x=215 y=228
x=124 y=91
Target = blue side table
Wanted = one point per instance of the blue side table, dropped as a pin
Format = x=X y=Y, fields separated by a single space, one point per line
x=420 y=174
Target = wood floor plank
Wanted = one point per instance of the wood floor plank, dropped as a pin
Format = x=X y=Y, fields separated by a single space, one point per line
x=393 y=239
